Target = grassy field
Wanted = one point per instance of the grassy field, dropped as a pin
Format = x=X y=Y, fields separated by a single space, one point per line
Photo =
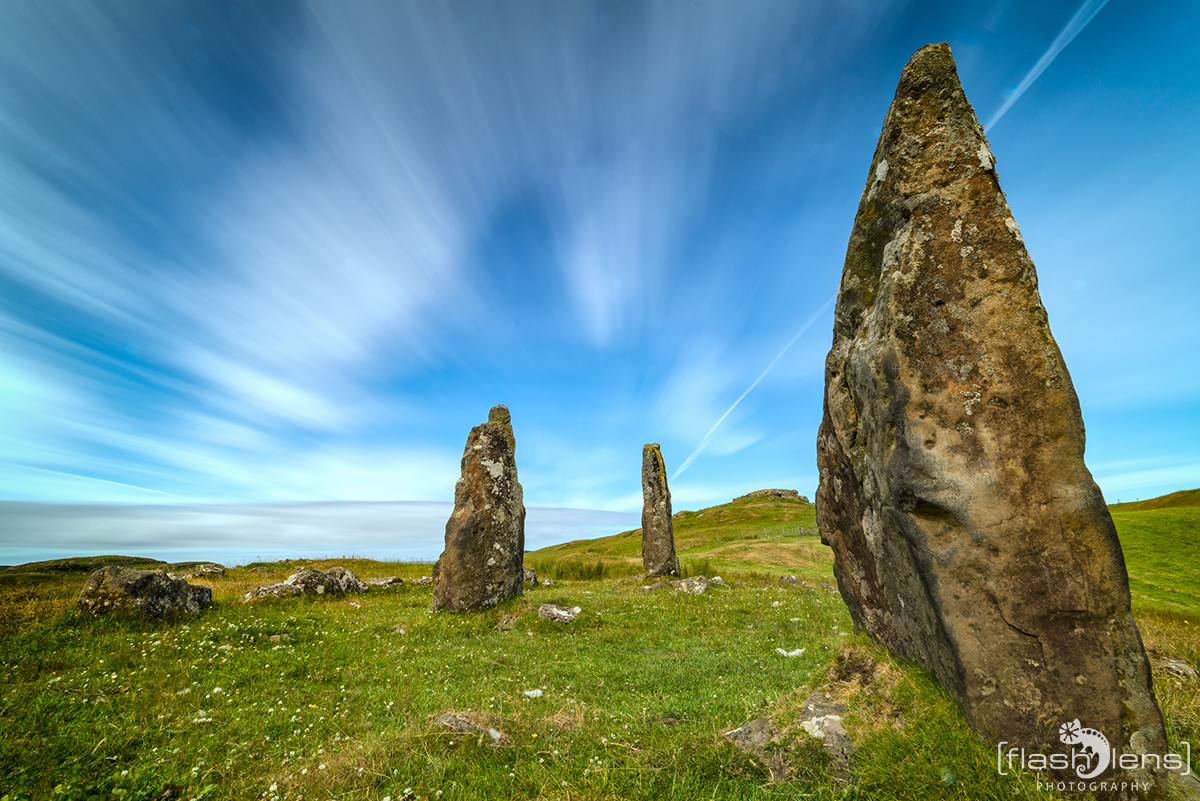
x=339 y=698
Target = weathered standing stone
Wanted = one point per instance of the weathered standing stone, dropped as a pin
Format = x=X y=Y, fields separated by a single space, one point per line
x=485 y=536
x=658 y=536
x=152 y=593
x=967 y=532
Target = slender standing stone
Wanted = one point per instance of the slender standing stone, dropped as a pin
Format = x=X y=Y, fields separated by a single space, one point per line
x=967 y=532
x=485 y=535
x=658 y=536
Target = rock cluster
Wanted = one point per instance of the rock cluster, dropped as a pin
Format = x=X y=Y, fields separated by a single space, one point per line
x=786 y=494
x=336 y=581
x=658 y=536
x=696 y=585
x=386 y=581
x=485 y=535
x=198 y=570
x=530 y=576
x=151 y=593
x=967 y=532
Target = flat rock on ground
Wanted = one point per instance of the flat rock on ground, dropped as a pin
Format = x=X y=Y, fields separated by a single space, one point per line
x=559 y=614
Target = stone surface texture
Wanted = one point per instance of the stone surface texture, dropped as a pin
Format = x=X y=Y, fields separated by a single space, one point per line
x=658 y=535
x=530 y=576
x=346 y=580
x=967 y=532
x=485 y=535
x=149 y=593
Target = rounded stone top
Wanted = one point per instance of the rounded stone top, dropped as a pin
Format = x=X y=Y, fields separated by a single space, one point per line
x=500 y=414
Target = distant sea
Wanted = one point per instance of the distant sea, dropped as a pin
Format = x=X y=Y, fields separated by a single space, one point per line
x=234 y=534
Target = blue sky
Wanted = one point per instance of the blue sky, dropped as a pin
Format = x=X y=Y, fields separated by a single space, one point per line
x=273 y=252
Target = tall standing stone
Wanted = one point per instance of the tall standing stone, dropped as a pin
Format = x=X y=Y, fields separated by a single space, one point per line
x=967 y=533
x=485 y=535
x=658 y=535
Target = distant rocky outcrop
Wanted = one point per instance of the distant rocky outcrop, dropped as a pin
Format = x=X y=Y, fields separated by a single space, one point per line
x=386 y=581
x=786 y=494
x=485 y=535
x=967 y=532
x=658 y=536
x=335 y=582
x=149 y=593
x=192 y=570
x=530 y=576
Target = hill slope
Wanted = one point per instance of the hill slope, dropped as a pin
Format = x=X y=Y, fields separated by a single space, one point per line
x=1160 y=538
x=1175 y=499
x=751 y=533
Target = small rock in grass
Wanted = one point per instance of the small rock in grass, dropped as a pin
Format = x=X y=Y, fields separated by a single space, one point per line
x=458 y=722
x=559 y=614
x=695 y=585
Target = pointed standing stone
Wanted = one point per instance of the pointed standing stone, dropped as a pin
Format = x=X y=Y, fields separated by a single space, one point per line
x=485 y=536
x=658 y=535
x=967 y=533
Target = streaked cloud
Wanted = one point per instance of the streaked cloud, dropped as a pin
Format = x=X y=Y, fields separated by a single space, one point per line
x=294 y=251
x=238 y=534
x=1079 y=21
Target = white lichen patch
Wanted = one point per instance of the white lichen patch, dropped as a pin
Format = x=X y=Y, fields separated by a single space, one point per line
x=881 y=171
x=956 y=234
x=986 y=159
x=1011 y=225
x=495 y=469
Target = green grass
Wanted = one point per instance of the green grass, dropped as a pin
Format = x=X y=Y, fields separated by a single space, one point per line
x=1162 y=552
x=747 y=538
x=338 y=698
x=637 y=693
